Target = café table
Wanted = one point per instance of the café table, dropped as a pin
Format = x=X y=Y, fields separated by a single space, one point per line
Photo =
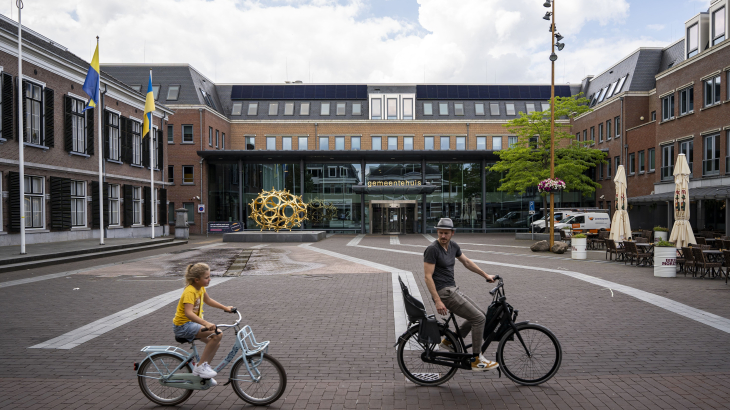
x=647 y=248
x=713 y=256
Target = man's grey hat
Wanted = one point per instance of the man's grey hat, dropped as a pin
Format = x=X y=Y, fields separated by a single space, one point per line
x=445 y=223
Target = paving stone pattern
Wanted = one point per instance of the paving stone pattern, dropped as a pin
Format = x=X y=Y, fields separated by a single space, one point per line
x=331 y=326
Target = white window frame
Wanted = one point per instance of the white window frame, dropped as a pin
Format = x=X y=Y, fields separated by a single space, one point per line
x=305 y=145
x=78 y=125
x=112 y=205
x=78 y=201
x=31 y=198
x=136 y=205
x=668 y=107
x=253 y=108
x=352 y=143
x=496 y=146
x=686 y=99
x=271 y=143
x=481 y=143
x=192 y=137
x=114 y=142
x=34 y=114
x=192 y=175
x=407 y=143
x=715 y=160
x=332 y=172
x=284 y=142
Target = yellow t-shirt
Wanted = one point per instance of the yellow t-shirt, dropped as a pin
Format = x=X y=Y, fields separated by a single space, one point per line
x=195 y=298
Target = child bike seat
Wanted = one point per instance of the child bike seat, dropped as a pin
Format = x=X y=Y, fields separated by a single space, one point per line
x=414 y=308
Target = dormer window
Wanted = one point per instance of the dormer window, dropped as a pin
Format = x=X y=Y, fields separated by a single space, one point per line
x=718 y=26
x=693 y=40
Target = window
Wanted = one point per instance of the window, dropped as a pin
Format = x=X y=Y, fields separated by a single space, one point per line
x=610 y=90
x=288 y=108
x=324 y=108
x=608 y=168
x=712 y=155
x=271 y=143
x=137 y=142
x=137 y=205
x=652 y=159
x=188 y=175
x=512 y=142
x=593 y=133
x=78 y=203
x=190 y=206
x=332 y=172
x=324 y=143
x=602 y=95
x=458 y=108
x=533 y=141
x=632 y=163
x=600 y=132
x=479 y=108
x=617 y=123
x=460 y=143
x=171 y=213
x=496 y=143
x=155 y=91
x=428 y=143
x=355 y=143
x=253 y=108
x=304 y=108
x=510 y=108
x=653 y=115
x=339 y=143
x=718 y=26
x=392 y=143
x=668 y=107
x=407 y=143
x=187 y=131
x=356 y=109
x=727 y=151
x=377 y=144
x=170 y=137
x=210 y=136
x=494 y=108
x=686 y=100
x=341 y=107
x=155 y=148
x=173 y=92
x=445 y=143
x=444 y=108
x=408 y=108
x=392 y=108
x=667 y=162
x=427 y=108
x=545 y=107
x=286 y=143
x=237 y=108
x=113 y=135
x=530 y=107
x=585 y=135
x=577 y=136
x=376 y=109
x=113 y=204
x=620 y=84
x=250 y=143
x=481 y=143
x=171 y=174
x=600 y=172
x=617 y=162
x=223 y=140
x=217 y=138
x=642 y=162
x=137 y=87
x=78 y=124
x=273 y=108
x=712 y=90
x=303 y=143
x=693 y=40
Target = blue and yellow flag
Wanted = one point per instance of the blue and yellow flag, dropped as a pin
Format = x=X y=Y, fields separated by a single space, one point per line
x=91 y=85
x=149 y=108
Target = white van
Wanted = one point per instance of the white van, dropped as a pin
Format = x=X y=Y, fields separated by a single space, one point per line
x=539 y=225
x=587 y=222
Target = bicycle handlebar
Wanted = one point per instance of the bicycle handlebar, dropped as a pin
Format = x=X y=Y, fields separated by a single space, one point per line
x=233 y=310
x=499 y=285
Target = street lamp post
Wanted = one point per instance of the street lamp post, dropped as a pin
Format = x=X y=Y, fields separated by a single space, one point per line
x=553 y=35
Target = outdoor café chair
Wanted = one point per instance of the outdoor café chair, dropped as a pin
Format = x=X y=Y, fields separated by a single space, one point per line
x=642 y=240
x=689 y=261
x=631 y=253
x=702 y=262
x=726 y=264
x=612 y=249
x=646 y=234
x=701 y=240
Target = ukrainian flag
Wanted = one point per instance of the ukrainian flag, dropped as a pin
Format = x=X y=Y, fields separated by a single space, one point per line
x=149 y=108
x=91 y=85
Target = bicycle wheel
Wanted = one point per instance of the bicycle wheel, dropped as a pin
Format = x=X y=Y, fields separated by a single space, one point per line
x=149 y=379
x=540 y=365
x=270 y=386
x=416 y=370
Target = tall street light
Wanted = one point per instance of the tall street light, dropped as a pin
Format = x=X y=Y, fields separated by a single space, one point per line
x=553 y=57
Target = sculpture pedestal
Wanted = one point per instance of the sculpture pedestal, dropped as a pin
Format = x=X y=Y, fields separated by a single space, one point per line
x=270 y=236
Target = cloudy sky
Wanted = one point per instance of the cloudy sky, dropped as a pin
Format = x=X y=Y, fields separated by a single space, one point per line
x=359 y=41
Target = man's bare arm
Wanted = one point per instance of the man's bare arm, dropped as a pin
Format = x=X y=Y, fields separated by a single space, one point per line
x=428 y=269
x=474 y=268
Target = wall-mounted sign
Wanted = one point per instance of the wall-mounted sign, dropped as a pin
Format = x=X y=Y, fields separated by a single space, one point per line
x=201 y=208
x=394 y=183
x=224 y=227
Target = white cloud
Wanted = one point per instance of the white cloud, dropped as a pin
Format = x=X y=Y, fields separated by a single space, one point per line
x=655 y=27
x=244 y=41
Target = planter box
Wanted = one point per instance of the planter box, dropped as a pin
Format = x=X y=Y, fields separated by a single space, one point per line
x=660 y=235
x=578 y=248
x=665 y=262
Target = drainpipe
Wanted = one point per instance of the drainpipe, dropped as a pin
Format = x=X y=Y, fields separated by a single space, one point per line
x=200 y=110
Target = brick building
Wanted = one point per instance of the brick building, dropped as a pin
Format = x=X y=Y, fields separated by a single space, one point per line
x=61 y=148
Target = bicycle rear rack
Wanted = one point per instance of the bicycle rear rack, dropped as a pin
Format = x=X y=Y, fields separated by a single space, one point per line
x=165 y=349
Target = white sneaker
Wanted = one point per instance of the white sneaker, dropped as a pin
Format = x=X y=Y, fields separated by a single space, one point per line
x=204 y=371
x=213 y=383
x=481 y=364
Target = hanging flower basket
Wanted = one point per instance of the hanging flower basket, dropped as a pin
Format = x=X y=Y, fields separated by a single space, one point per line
x=550 y=185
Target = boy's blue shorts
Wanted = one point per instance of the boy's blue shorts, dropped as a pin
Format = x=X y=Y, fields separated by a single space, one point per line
x=187 y=330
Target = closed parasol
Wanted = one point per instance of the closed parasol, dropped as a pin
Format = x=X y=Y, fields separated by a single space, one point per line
x=620 y=226
x=682 y=234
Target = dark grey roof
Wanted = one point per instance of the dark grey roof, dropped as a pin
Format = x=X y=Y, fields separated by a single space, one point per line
x=647 y=67
x=714 y=192
x=672 y=56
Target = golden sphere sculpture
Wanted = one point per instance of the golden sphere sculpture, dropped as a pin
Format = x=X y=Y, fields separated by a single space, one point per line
x=319 y=211
x=269 y=210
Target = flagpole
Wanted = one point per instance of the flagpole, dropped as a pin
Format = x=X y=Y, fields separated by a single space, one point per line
x=152 y=167
x=21 y=146
x=100 y=154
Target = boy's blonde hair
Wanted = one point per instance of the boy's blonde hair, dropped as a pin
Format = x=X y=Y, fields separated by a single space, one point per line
x=195 y=271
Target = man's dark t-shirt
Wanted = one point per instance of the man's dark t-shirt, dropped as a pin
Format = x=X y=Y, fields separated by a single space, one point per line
x=443 y=273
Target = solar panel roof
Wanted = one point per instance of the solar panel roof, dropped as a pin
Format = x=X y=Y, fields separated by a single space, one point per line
x=297 y=91
x=489 y=92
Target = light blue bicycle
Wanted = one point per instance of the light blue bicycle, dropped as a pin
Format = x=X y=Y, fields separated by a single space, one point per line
x=165 y=375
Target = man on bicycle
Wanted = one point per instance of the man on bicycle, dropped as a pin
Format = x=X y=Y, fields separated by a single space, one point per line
x=438 y=265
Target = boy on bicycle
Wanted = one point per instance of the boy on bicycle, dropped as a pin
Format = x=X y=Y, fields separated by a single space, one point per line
x=438 y=265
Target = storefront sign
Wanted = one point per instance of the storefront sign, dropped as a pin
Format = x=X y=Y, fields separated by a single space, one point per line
x=394 y=183
x=224 y=227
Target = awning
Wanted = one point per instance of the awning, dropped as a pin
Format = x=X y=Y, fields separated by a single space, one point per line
x=715 y=192
x=394 y=190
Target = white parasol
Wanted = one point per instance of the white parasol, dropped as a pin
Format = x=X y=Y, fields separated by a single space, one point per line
x=620 y=226
x=682 y=234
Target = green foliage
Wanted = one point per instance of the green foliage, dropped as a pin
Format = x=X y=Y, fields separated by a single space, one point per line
x=664 y=244
x=526 y=163
x=580 y=236
x=660 y=229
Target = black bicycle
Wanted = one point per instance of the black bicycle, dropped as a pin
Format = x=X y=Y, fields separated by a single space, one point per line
x=528 y=353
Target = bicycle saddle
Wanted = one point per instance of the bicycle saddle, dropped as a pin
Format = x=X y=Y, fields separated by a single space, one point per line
x=181 y=340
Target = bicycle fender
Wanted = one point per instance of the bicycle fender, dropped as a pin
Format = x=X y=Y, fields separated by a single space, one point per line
x=402 y=337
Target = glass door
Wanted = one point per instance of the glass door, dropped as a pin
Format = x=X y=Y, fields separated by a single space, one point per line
x=394 y=220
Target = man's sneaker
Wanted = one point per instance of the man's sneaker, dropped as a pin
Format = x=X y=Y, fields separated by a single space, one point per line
x=447 y=345
x=204 y=371
x=480 y=364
